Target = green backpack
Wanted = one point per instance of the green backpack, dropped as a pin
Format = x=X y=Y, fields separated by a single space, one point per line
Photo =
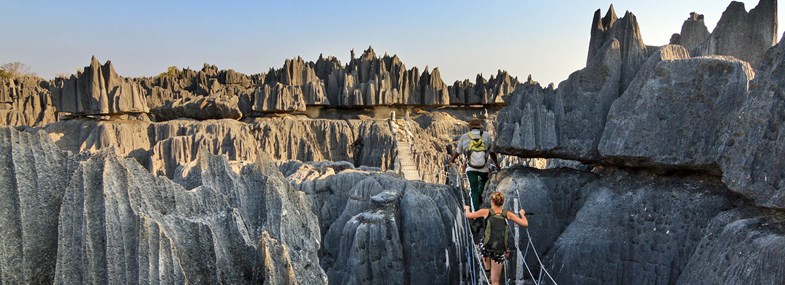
x=496 y=232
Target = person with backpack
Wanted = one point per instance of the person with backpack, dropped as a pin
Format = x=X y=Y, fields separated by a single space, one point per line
x=476 y=146
x=495 y=238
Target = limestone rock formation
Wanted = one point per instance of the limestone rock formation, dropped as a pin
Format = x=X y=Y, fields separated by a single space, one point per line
x=213 y=107
x=380 y=225
x=98 y=90
x=163 y=147
x=102 y=219
x=483 y=91
x=278 y=98
x=567 y=122
x=741 y=34
x=26 y=101
x=693 y=31
x=752 y=144
x=741 y=246
x=642 y=228
x=33 y=175
x=675 y=110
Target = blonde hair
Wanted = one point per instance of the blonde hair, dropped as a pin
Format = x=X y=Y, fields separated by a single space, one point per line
x=497 y=198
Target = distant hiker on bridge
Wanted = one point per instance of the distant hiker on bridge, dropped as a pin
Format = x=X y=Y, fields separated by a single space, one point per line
x=476 y=146
x=495 y=238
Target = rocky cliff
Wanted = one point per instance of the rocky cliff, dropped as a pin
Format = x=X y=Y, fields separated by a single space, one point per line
x=741 y=34
x=643 y=228
x=171 y=179
x=26 y=101
x=163 y=147
x=379 y=229
x=103 y=219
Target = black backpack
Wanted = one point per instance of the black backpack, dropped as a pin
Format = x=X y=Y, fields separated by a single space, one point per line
x=496 y=232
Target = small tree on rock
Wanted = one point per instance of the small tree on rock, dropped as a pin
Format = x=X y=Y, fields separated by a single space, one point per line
x=15 y=70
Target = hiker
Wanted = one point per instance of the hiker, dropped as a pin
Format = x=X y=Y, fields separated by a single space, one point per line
x=476 y=145
x=495 y=238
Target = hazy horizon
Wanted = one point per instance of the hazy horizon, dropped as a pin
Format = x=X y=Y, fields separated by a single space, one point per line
x=548 y=40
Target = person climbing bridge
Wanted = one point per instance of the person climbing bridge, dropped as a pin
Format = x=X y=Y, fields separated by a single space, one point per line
x=476 y=144
x=495 y=238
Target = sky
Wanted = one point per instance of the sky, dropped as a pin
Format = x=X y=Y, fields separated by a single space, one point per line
x=547 y=39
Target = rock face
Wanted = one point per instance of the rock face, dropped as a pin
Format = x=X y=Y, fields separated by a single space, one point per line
x=743 y=35
x=162 y=147
x=98 y=90
x=102 y=219
x=641 y=228
x=745 y=245
x=483 y=91
x=671 y=90
x=712 y=114
x=214 y=107
x=568 y=122
x=380 y=225
x=34 y=174
x=693 y=31
x=752 y=143
x=26 y=101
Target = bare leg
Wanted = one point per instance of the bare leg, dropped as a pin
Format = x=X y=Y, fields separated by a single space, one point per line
x=496 y=272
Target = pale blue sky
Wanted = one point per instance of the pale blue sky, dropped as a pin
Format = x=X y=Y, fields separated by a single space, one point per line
x=547 y=39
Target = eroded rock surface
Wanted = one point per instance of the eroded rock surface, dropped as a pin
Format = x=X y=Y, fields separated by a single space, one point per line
x=98 y=90
x=674 y=112
x=643 y=228
x=104 y=219
x=26 y=101
x=741 y=34
x=376 y=224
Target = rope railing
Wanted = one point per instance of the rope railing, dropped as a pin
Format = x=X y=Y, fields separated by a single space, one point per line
x=530 y=244
x=470 y=248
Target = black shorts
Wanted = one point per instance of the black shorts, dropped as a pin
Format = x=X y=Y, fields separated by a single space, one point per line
x=499 y=257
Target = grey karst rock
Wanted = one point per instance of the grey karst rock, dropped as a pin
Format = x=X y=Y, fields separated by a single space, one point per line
x=378 y=224
x=278 y=98
x=693 y=31
x=529 y=120
x=158 y=98
x=752 y=144
x=179 y=142
x=550 y=197
x=26 y=101
x=276 y=261
x=569 y=124
x=295 y=72
x=98 y=90
x=741 y=246
x=482 y=91
x=200 y=108
x=164 y=146
x=128 y=138
x=635 y=229
x=33 y=174
x=743 y=35
x=152 y=230
x=362 y=142
x=201 y=95
x=101 y=219
x=434 y=91
x=675 y=110
x=633 y=51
